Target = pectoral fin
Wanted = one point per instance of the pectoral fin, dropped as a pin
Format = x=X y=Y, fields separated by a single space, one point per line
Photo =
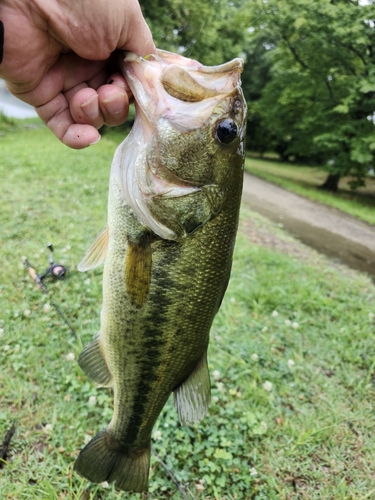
x=138 y=269
x=193 y=397
x=95 y=255
x=93 y=363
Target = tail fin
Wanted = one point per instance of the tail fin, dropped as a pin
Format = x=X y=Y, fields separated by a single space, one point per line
x=103 y=459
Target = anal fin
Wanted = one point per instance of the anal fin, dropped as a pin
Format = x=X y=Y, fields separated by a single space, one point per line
x=95 y=255
x=192 y=398
x=93 y=363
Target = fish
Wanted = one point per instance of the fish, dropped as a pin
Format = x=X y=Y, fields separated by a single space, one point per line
x=174 y=197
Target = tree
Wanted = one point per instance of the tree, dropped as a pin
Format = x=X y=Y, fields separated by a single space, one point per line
x=318 y=98
x=212 y=31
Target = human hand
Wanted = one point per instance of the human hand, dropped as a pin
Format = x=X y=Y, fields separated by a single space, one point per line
x=58 y=57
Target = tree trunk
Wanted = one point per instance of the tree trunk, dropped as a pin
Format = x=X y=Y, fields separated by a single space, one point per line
x=331 y=183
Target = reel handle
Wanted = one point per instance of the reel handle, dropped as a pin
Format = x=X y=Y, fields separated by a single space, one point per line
x=35 y=276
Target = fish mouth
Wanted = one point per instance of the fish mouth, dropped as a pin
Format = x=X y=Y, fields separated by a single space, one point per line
x=181 y=92
x=168 y=86
x=163 y=81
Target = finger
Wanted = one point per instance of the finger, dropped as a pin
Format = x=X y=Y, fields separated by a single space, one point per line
x=137 y=36
x=119 y=80
x=114 y=104
x=53 y=106
x=80 y=136
x=84 y=107
x=140 y=42
x=57 y=116
x=99 y=79
x=65 y=75
x=103 y=30
x=110 y=105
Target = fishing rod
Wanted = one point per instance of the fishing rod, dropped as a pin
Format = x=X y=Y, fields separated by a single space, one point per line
x=57 y=271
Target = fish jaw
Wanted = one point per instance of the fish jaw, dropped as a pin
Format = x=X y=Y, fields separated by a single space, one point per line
x=173 y=94
x=182 y=90
x=137 y=183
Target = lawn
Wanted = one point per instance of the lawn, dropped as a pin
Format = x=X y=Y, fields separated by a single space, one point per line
x=305 y=180
x=292 y=355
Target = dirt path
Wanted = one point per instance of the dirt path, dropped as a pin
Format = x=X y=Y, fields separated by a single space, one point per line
x=326 y=229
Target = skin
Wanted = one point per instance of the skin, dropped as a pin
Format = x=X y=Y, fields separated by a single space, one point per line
x=59 y=57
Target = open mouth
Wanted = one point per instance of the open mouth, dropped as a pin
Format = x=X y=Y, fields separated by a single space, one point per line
x=179 y=93
x=177 y=88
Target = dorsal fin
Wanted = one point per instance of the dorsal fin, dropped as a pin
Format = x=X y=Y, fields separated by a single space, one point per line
x=95 y=255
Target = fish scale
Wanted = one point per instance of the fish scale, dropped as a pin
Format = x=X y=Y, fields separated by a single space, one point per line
x=172 y=276
x=168 y=249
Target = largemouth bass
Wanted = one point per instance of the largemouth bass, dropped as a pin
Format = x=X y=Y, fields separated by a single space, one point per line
x=174 y=197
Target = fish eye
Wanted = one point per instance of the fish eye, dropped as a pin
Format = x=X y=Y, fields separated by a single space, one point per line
x=226 y=131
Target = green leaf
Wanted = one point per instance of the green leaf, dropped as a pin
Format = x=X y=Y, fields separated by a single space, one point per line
x=298 y=23
x=341 y=108
x=222 y=454
x=368 y=87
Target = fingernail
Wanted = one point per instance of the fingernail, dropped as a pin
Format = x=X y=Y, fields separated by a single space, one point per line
x=112 y=105
x=95 y=142
x=91 y=107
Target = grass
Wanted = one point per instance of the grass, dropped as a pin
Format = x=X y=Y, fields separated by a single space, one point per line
x=292 y=351
x=305 y=181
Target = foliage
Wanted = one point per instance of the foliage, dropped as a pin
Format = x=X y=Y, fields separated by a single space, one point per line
x=212 y=32
x=315 y=81
x=292 y=356
x=308 y=76
x=5 y=121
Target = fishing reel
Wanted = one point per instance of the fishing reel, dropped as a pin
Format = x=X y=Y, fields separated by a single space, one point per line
x=57 y=271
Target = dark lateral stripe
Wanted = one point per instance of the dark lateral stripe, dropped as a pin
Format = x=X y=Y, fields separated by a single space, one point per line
x=154 y=346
